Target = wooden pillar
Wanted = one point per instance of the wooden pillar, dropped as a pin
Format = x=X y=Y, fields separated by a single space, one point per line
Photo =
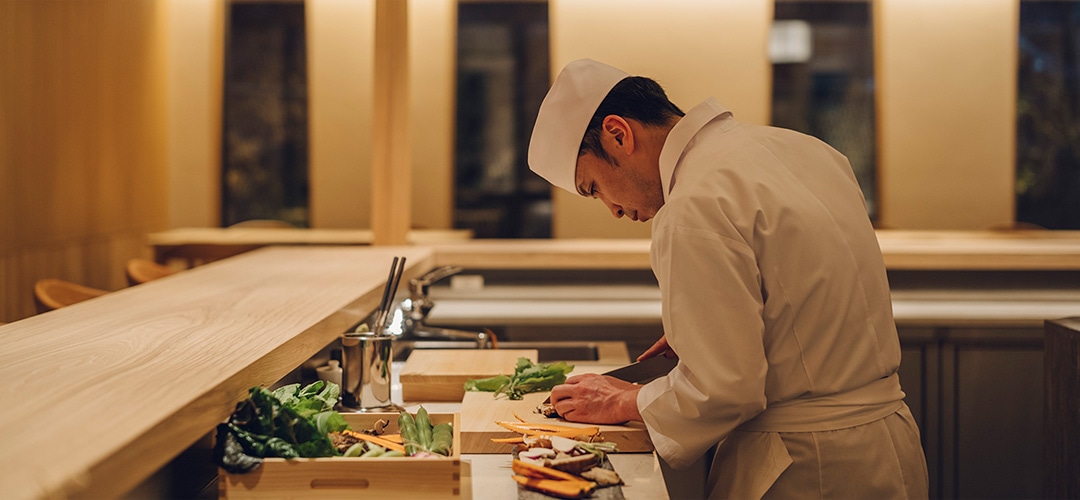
x=391 y=177
x=1061 y=426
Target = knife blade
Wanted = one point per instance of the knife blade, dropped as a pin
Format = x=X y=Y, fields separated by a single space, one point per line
x=641 y=372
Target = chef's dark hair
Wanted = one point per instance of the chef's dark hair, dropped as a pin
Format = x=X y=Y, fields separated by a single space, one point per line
x=635 y=97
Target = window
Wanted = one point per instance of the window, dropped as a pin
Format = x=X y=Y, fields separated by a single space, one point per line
x=823 y=79
x=502 y=77
x=1048 y=115
x=264 y=143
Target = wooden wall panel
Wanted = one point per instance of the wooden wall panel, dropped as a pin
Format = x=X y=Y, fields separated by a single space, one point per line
x=433 y=80
x=695 y=50
x=82 y=142
x=196 y=64
x=946 y=84
x=341 y=47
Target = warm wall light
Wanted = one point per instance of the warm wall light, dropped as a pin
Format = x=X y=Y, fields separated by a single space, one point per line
x=790 y=41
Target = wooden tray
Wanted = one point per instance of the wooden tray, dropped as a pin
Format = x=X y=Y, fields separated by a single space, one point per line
x=480 y=411
x=350 y=477
x=440 y=374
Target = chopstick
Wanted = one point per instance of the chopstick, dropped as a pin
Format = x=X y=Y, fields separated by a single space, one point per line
x=397 y=268
x=380 y=312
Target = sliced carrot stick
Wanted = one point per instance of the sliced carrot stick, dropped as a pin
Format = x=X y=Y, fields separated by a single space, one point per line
x=556 y=430
x=513 y=440
x=539 y=471
x=396 y=438
x=385 y=443
x=555 y=487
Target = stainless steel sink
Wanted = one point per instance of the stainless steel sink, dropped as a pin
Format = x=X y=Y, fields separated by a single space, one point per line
x=600 y=352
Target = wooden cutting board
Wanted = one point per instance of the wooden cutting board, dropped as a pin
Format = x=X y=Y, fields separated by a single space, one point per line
x=480 y=411
x=440 y=374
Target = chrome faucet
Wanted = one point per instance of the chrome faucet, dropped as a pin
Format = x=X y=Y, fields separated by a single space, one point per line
x=407 y=323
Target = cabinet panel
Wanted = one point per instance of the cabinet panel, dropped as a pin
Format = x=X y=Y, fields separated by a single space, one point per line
x=998 y=421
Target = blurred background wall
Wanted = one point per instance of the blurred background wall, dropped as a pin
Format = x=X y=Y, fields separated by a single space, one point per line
x=111 y=114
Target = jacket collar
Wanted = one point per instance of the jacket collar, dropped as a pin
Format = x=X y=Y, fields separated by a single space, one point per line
x=680 y=136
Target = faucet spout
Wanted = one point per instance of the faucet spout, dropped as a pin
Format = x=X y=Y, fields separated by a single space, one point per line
x=424 y=332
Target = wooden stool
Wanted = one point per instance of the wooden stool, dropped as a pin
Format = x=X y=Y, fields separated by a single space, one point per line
x=51 y=293
x=143 y=270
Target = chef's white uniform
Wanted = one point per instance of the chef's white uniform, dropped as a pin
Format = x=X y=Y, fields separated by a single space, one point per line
x=776 y=301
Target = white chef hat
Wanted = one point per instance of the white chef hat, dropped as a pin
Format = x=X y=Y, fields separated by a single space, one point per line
x=564 y=115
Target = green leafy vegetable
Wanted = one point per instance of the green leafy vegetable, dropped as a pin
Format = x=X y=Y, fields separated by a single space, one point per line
x=528 y=377
x=289 y=422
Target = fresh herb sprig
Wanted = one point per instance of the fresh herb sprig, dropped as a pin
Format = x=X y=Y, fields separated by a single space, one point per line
x=528 y=377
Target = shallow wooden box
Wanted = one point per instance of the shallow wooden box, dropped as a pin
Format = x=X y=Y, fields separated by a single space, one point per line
x=351 y=477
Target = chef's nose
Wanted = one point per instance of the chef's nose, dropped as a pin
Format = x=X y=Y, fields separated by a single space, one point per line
x=616 y=210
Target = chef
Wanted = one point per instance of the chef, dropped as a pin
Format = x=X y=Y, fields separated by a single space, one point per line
x=774 y=293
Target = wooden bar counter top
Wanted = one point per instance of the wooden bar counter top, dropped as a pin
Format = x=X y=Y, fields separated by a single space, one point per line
x=99 y=395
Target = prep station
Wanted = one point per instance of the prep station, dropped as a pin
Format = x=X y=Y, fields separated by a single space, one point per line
x=111 y=396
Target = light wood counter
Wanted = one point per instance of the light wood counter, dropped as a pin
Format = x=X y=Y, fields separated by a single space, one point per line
x=99 y=395
x=902 y=249
x=196 y=245
x=1014 y=250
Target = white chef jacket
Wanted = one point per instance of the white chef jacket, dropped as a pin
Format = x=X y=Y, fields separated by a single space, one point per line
x=776 y=301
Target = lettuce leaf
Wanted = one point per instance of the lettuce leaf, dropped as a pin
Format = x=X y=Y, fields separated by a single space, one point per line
x=289 y=422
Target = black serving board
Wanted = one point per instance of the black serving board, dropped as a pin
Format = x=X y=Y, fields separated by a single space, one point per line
x=600 y=493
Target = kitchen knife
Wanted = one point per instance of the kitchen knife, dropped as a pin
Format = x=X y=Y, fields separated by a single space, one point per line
x=641 y=372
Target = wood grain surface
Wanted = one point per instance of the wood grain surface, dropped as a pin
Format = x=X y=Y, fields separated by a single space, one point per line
x=481 y=410
x=440 y=374
x=99 y=395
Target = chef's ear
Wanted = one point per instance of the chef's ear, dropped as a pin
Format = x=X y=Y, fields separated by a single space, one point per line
x=619 y=131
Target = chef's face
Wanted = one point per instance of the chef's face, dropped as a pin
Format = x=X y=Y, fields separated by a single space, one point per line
x=626 y=187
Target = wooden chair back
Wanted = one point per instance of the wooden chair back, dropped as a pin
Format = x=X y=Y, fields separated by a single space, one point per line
x=52 y=293
x=140 y=271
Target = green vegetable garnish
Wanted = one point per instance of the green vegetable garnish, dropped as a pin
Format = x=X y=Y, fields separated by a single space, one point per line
x=528 y=377
x=288 y=422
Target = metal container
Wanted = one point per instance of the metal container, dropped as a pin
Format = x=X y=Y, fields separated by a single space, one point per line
x=366 y=372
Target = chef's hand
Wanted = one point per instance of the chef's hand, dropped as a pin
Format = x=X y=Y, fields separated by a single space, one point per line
x=596 y=399
x=661 y=347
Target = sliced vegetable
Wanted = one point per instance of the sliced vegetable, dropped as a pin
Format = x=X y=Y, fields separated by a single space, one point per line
x=539 y=471
x=531 y=429
x=376 y=440
x=563 y=489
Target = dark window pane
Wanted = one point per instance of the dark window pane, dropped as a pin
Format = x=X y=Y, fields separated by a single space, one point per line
x=502 y=76
x=823 y=80
x=265 y=153
x=1048 y=115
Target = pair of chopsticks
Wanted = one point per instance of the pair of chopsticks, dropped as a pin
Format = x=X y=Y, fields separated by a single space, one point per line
x=397 y=267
